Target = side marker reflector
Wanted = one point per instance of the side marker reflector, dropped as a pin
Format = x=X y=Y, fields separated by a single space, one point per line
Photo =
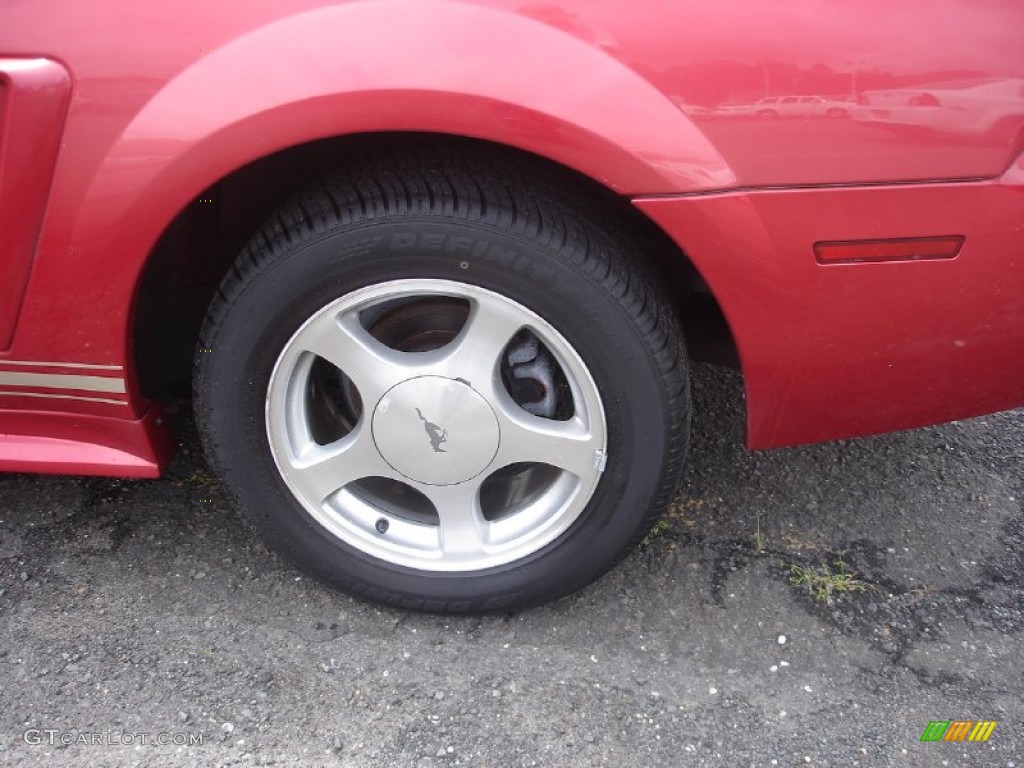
x=902 y=249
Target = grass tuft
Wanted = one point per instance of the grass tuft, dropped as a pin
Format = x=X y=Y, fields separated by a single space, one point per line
x=825 y=582
x=660 y=528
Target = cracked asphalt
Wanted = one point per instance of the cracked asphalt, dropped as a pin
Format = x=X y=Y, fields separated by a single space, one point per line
x=132 y=611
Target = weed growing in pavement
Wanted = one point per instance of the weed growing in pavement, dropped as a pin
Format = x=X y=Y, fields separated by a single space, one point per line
x=825 y=582
x=660 y=528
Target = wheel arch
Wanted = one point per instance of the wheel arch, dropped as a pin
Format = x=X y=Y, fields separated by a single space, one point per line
x=334 y=72
x=197 y=248
x=320 y=78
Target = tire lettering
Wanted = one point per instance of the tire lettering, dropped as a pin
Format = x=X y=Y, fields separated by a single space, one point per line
x=431 y=242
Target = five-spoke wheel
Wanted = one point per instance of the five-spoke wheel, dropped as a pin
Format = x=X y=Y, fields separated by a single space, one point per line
x=436 y=425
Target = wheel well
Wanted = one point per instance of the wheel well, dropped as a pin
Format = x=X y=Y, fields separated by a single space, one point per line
x=198 y=248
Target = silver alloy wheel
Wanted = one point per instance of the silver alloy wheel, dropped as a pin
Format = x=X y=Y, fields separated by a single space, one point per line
x=439 y=467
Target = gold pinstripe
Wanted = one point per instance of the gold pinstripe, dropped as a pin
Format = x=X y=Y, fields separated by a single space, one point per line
x=63 y=381
x=48 y=364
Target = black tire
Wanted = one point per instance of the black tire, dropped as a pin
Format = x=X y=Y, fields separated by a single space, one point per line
x=411 y=215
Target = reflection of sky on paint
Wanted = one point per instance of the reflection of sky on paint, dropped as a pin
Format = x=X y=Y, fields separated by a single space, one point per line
x=653 y=34
x=102 y=39
x=883 y=34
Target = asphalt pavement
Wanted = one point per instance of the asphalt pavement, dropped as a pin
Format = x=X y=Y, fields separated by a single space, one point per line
x=809 y=606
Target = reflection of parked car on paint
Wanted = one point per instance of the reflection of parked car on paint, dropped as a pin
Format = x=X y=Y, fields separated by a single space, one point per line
x=799 y=106
x=958 y=107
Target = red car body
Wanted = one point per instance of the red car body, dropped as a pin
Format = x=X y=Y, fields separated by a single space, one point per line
x=117 y=117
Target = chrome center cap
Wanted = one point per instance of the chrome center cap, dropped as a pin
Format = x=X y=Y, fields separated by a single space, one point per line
x=435 y=430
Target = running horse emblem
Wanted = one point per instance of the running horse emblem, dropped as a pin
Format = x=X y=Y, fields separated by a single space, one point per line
x=436 y=434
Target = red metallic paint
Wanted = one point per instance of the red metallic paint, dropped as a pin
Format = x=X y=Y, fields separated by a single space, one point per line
x=856 y=349
x=661 y=105
x=33 y=99
x=80 y=444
